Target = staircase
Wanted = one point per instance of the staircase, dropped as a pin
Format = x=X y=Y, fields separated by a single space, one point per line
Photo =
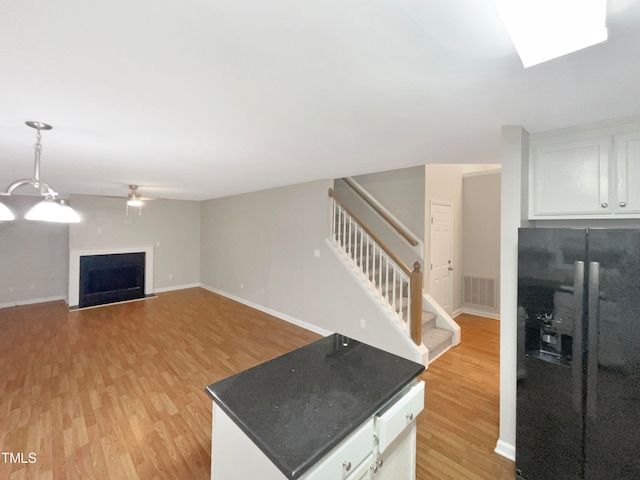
x=436 y=340
x=396 y=288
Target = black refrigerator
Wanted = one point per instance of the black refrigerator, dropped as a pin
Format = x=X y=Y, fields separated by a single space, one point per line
x=578 y=387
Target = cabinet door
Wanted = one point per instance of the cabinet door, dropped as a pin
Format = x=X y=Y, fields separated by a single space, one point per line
x=569 y=177
x=364 y=471
x=627 y=148
x=340 y=462
x=398 y=462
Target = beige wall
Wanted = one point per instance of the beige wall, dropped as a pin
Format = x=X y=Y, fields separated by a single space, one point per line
x=389 y=235
x=171 y=226
x=262 y=248
x=481 y=227
x=444 y=183
x=401 y=192
x=33 y=257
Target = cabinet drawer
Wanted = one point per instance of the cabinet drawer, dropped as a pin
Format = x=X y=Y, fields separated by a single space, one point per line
x=341 y=462
x=399 y=416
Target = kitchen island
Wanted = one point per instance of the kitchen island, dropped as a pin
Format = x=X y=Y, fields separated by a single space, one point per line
x=334 y=409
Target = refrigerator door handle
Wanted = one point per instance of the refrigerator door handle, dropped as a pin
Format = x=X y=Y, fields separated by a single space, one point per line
x=576 y=361
x=592 y=338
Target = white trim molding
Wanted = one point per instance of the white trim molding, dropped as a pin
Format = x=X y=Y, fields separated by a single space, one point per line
x=479 y=313
x=176 y=287
x=31 y=301
x=273 y=313
x=505 y=449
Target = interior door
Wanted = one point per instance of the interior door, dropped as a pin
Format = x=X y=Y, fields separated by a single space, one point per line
x=441 y=268
x=613 y=360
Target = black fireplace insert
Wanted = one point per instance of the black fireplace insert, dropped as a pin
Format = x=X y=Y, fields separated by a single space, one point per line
x=111 y=278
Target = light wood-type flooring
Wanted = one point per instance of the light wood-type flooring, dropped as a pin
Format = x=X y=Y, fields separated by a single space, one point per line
x=117 y=392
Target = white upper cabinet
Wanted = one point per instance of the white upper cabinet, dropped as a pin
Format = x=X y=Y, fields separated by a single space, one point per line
x=593 y=173
x=627 y=150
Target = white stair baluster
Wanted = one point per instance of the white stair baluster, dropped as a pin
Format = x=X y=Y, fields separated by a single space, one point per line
x=387 y=278
x=368 y=269
x=340 y=227
x=360 y=238
x=335 y=224
x=401 y=299
x=393 y=293
x=350 y=239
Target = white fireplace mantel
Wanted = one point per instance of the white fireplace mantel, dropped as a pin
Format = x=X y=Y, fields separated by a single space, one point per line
x=74 y=267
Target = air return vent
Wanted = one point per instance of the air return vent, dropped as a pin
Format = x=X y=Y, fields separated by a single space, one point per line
x=479 y=291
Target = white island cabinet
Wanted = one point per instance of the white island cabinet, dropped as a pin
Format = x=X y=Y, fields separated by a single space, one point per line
x=336 y=409
x=383 y=448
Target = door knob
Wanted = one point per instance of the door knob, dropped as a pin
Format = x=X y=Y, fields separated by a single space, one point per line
x=623 y=204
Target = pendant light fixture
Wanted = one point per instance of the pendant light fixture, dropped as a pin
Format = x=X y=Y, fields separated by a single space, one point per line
x=49 y=209
x=134 y=200
x=5 y=213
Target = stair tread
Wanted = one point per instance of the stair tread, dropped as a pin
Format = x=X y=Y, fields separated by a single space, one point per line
x=426 y=316
x=432 y=337
x=428 y=320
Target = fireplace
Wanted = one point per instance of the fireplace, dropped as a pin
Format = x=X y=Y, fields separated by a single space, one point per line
x=111 y=278
x=100 y=276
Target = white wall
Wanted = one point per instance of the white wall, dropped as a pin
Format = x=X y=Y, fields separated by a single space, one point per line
x=260 y=248
x=515 y=161
x=33 y=257
x=172 y=226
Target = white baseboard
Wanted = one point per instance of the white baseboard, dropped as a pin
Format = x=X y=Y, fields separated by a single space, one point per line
x=505 y=449
x=176 y=287
x=480 y=313
x=281 y=316
x=31 y=301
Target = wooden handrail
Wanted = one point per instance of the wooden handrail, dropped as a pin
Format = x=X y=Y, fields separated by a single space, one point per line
x=408 y=236
x=403 y=266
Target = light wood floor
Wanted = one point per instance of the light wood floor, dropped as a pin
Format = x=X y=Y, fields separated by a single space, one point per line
x=118 y=392
x=458 y=429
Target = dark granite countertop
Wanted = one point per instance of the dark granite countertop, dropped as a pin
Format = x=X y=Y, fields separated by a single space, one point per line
x=299 y=406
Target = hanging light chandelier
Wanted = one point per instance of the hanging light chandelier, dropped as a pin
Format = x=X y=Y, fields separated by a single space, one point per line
x=49 y=209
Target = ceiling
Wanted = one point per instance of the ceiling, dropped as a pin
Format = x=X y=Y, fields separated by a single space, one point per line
x=198 y=99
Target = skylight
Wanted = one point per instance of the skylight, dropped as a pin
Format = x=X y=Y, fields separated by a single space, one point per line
x=545 y=29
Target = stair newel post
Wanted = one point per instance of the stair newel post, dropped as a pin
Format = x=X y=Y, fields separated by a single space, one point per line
x=415 y=309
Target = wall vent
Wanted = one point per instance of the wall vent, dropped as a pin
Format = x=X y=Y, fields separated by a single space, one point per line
x=479 y=291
